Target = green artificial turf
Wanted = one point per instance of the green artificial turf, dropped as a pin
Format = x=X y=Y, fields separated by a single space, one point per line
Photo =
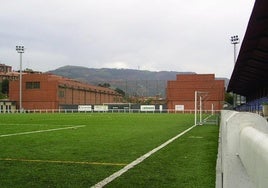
x=63 y=158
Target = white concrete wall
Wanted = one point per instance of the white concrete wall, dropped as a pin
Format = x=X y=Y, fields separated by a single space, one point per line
x=243 y=151
x=253 y=152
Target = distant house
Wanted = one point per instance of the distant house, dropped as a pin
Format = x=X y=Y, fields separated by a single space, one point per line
x=6 y=73
x=47 y=91
x=5 y=68
x=181 y=92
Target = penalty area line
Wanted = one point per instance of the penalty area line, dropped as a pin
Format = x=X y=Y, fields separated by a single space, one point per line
x=41 y=131
x=138 y=160
x=63 y=162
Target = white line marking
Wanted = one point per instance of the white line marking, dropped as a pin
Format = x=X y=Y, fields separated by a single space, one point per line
x=137 y=161
x=63 y=162
x=208 y=117
x=20 y=124
x=40 y=131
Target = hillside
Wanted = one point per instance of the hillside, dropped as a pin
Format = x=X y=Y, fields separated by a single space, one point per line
x=133 y=82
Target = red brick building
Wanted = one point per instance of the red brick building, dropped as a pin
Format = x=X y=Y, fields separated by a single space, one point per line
x=46 y=91
x=181 y=92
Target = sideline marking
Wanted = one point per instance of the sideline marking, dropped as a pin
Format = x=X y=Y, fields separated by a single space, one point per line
x=40 y=131
x=63 y=162
x=137 y=161
x=195 y=137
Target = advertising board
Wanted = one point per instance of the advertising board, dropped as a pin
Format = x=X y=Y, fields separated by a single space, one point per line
x=84 y=108
x=179 y=107
x=146 y=108
x=100 y=108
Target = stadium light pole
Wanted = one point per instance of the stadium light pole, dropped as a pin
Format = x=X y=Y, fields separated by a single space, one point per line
x=20 y=50
x=234 y=41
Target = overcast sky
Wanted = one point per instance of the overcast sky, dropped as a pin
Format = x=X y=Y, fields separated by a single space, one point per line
x=156 y=35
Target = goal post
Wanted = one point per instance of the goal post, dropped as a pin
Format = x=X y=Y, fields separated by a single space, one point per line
x=199 y=99
x=202 y=114
x=195 y=107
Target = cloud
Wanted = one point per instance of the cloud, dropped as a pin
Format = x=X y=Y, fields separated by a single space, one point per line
x=117 y=65
x=172 y=35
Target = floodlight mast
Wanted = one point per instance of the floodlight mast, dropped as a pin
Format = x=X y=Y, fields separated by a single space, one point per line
x=234 y=41
x=20 y=50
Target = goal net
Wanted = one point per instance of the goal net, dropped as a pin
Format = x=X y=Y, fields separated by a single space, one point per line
x=204 y=113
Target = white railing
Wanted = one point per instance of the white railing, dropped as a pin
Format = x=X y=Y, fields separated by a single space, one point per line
x=109 y=111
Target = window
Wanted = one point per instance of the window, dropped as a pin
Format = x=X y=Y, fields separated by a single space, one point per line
x=32 y=85
x=61 y=94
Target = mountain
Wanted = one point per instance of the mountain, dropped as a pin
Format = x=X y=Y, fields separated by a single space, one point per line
x=133 y=82
x=103 y=74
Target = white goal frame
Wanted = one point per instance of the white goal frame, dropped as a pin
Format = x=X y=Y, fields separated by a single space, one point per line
x=199 y=95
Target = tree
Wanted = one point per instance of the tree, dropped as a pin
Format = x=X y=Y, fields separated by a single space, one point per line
x=120 y=91
x=4 y=88
x=229 y=98
x=107 y=85
x=148 y=101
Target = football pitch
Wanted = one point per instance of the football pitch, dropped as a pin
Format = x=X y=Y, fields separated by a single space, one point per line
x=89 y=149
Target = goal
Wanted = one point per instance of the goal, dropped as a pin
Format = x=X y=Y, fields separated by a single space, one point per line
x=202 y=116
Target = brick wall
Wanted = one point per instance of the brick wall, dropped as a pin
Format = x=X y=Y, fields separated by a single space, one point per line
x=182 y=91
x=55 y=91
